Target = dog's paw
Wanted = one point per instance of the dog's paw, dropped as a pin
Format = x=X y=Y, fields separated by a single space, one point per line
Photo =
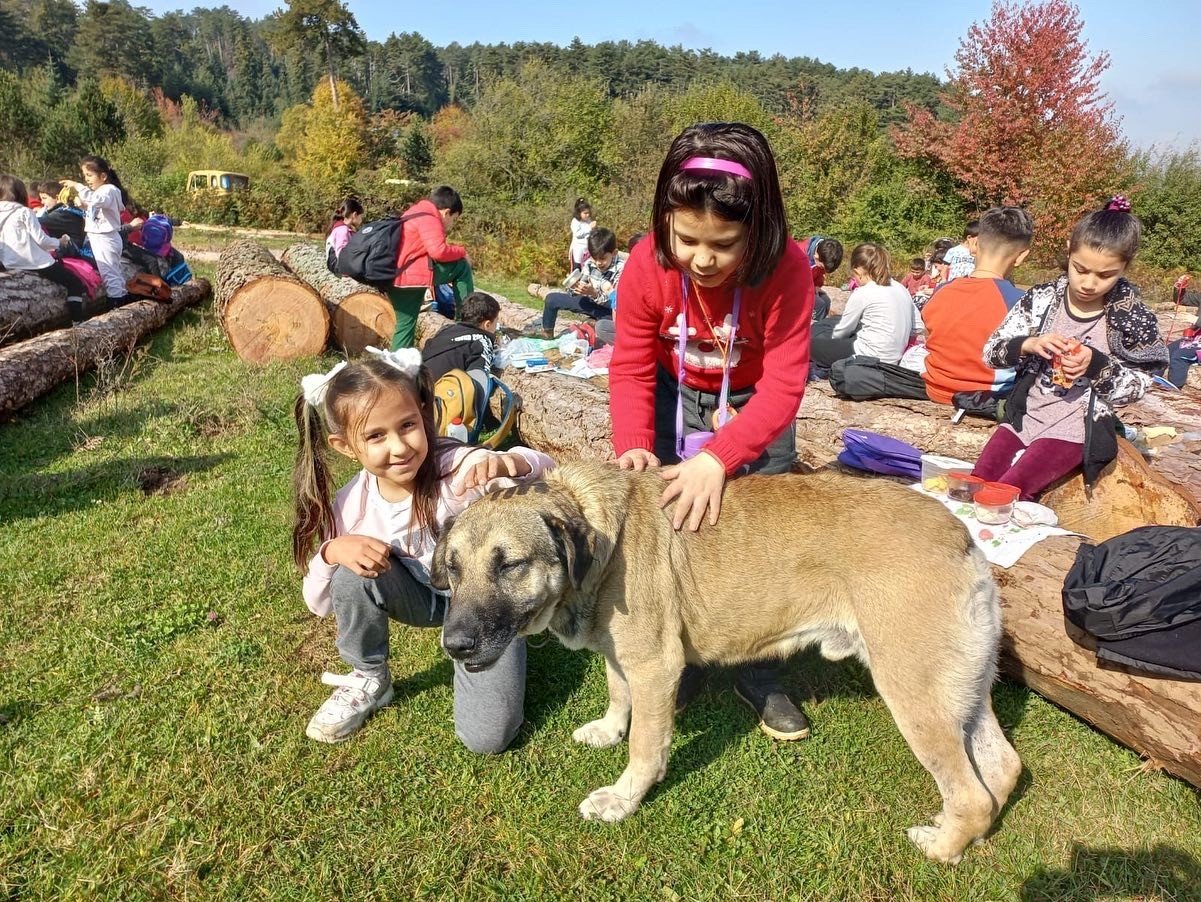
x=605 y=804
x=929 y=839
x=599 y=734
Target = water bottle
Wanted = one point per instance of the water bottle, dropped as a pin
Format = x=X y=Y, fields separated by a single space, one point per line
x=457 y=430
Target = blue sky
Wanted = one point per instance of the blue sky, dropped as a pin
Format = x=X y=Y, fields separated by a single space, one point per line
x=1153 y=78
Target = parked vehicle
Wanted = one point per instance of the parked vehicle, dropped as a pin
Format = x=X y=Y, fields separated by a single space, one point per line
x=217 y=181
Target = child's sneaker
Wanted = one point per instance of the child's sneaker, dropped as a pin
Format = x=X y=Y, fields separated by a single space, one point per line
x=357 y=697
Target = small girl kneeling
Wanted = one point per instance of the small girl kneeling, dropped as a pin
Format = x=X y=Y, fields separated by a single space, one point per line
x=375 y=541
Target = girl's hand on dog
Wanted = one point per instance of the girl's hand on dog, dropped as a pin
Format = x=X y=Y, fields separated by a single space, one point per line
x=482 y=470
x=363 y=555
x=696 y=486
x=637 y=459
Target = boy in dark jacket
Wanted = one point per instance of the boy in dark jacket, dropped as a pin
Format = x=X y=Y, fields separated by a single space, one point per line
x=58 y=219
x=467 y=345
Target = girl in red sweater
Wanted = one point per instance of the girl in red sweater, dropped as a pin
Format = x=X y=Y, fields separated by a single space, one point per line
x=712 y=349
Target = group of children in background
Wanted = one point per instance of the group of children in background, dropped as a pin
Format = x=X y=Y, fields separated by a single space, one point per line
x=76 y=233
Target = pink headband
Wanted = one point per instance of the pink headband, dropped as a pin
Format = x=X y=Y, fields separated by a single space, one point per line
x=715 y=165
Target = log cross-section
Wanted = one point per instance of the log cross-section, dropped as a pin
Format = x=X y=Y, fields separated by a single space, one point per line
x=361 y=315
x=266 y=312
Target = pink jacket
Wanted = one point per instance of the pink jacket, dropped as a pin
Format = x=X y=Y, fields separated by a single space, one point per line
x=359 y=509
x=424 y=240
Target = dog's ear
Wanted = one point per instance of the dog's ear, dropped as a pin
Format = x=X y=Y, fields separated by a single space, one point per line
x=574 y=540
x=438 y=576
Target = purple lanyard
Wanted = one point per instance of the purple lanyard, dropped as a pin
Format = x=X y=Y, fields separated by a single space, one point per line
x=724 y=397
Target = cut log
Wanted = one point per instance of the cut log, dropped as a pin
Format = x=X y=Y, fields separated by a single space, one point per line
x=1128 y=494
x=31 y=368
x=31 y=305
x=266 y=312
x=361 y=315
x=1155 y=717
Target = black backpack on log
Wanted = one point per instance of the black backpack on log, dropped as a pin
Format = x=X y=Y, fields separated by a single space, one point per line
x=1139 y=596
x=370 y=254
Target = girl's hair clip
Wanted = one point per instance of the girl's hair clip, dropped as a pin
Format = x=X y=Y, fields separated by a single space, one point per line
x=315 y=386
x=407 y=360
x=1118 y=203
x=712 y=164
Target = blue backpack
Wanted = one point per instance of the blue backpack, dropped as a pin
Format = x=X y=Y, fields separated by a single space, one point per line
x=157 y=233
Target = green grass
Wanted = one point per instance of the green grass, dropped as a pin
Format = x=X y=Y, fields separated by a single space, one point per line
x=159 y=668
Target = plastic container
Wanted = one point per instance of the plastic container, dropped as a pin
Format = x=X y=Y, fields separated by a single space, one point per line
x=994 y=503
x=962 y=485
x=935 y=468
x=457 y=430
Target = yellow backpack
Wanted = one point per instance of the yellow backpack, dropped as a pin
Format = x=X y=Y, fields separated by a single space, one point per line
x=454 y=398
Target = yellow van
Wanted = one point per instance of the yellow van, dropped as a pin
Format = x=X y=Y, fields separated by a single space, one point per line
x=218 y=181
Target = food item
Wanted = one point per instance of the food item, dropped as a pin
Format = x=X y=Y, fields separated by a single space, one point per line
x=994 y=503
x=935 y=484
x=1058 y=376
x=962 y=485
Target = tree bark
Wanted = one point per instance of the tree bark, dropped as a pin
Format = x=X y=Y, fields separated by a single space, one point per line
x=266 y=312
x=31 y=368
x=361 y=316
x=1156 y=717
x=31 y=305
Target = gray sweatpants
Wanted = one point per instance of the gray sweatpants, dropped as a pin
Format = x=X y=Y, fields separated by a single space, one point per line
x=489 y=706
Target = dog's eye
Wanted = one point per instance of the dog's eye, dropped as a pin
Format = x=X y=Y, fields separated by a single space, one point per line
x=512 y=567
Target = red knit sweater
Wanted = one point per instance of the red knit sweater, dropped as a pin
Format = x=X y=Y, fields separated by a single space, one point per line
x=771 y=351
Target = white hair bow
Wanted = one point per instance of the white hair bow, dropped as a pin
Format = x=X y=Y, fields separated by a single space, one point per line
x=315 y=385
x=407 y=360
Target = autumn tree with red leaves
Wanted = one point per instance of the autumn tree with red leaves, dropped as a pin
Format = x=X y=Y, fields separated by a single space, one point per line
x=1029 y=123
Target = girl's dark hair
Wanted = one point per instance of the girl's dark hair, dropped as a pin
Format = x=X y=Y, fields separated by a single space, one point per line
x=756 y=201
x=100 y=164
x=13 y=189
x=349 y=206
x=351 y=395
x=873 y=260
x=580 y=206
x=1113 y=230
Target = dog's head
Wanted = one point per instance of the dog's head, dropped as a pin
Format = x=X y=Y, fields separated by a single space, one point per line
x=508 y=562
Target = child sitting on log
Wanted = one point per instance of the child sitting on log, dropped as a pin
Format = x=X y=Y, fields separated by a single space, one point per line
x=24 y=246
x=1083 y=345
x=591 y=289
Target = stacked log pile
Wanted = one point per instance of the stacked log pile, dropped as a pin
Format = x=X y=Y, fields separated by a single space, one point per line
x=1156 y=717
x=266 y=312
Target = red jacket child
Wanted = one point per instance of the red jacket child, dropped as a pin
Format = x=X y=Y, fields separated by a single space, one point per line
x=423 y=243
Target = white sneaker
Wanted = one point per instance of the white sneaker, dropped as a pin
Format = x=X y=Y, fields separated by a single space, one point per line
x=357 y=697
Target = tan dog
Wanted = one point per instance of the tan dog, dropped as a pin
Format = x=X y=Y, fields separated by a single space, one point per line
x=861 y=567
